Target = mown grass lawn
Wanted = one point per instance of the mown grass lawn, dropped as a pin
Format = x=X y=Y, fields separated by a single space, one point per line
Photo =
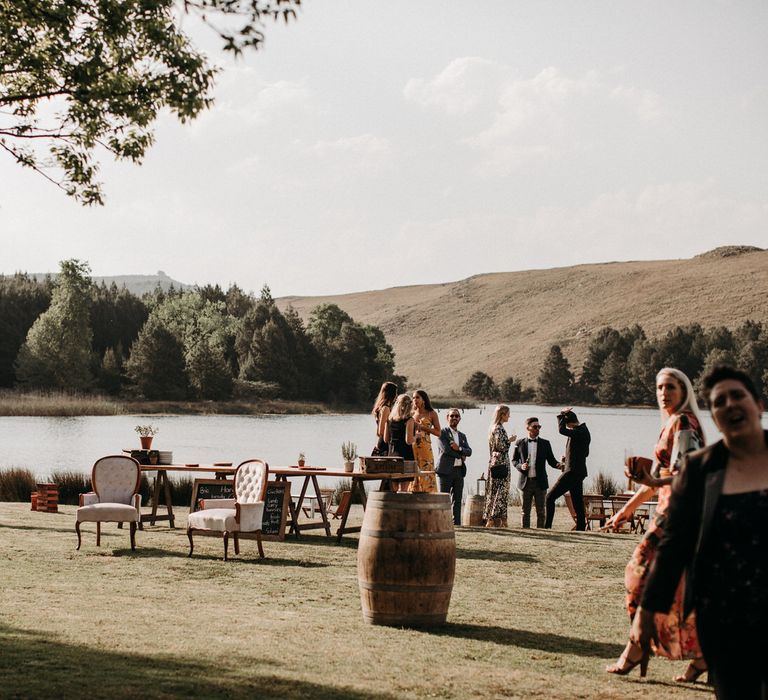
x=534 y=615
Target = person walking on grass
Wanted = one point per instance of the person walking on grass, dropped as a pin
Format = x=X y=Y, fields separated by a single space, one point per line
x=574 y=467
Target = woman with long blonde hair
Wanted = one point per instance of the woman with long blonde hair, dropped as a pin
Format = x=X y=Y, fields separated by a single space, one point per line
x=681 y=432
x=497 y=484
x=399 y=432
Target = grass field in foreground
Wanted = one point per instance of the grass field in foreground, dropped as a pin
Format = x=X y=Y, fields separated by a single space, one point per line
x=534 y=614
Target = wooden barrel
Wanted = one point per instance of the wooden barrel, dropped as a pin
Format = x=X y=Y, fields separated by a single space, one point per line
x=473 y=512
x=406 y=559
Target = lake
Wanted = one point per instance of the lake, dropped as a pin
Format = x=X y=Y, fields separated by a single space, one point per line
x=48 y=444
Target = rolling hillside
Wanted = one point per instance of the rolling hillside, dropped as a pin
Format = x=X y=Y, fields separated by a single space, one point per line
x=503 y=323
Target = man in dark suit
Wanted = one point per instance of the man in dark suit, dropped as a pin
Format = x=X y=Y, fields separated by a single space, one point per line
x=531 y=456
x=574 y=467
x=453 y=450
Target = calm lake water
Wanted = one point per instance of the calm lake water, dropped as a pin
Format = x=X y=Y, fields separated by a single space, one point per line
x=47 y=444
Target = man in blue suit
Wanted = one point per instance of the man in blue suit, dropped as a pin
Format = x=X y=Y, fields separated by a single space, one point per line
x=453 y=450
x=531 y=456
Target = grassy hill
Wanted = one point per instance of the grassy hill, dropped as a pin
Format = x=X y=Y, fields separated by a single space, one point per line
x=504 y=323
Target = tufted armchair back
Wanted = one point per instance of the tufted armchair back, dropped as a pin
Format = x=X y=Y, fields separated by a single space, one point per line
x=116 y=479
x=251 y=481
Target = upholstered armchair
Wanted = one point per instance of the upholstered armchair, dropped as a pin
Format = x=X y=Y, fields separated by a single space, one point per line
x=115 y=497
x=240 y=516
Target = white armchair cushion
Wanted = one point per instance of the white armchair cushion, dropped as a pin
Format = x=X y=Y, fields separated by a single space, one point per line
x=87 y=499
x=114 y=479
x=218 y=503
x=218 y=519
x=251 y=515
x=107 y=512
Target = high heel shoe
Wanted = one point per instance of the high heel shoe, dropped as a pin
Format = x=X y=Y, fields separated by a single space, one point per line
x=694 y=669
x=624 y=665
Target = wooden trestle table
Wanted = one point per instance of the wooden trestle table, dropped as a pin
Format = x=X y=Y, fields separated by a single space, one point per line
x=309 y=476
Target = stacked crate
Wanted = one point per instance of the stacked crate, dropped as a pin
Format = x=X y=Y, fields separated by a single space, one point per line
x=48 y=498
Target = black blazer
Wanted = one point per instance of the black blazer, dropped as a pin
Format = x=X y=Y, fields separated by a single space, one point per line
x=544 y=456
x=577 y=447
x=695 y=492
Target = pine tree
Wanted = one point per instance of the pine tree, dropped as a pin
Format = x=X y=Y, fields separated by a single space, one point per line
x=556 y=378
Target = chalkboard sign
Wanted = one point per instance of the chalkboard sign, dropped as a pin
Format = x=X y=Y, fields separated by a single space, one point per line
x=276 y=510
x=210 y=488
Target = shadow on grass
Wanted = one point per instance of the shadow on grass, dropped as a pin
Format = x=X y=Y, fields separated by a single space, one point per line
x=244 y=557
x=34 y=665
x=488 y=555
x=543 y=641
x=542 y=534
x=53 y=527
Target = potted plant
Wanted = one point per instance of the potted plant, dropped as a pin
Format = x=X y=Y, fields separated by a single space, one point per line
x=302 y=459
x=349 y=453
x=146 y=433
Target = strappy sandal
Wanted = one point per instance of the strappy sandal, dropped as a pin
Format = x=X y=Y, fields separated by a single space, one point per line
x=624 y=664
x=692 y=672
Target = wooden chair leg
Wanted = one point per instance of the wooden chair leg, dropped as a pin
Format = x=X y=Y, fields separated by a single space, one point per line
x=133 y=535
x=191 y=542
x=98 y=534
x=226 y=544
x=237 y=542
x=258 y=544
x=77 y=530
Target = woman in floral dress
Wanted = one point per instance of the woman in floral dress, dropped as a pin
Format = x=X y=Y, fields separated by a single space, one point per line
x=497 y=490
x=681 y=433
x=426 y=423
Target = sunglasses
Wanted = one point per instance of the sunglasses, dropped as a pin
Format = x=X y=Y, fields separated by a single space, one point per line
x=535 y=425
x=454 y=415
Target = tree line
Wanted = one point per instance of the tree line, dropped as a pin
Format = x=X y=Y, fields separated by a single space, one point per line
x=205 y=343
x=621 y=365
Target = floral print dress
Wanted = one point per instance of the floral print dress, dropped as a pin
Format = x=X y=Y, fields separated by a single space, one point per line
x=677 y=636
x=425 y=461
x=497 y=490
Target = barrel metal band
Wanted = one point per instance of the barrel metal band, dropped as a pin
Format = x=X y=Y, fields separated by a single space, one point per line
x=400 y=587
x=385 y=505
x=400 y=535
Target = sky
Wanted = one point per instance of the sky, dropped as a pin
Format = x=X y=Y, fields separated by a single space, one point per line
x=378 y=144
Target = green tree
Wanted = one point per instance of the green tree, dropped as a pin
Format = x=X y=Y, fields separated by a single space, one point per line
x=555 y=378
x=612 y=388
x=156 y=364
x=57 y=351
x=84 y=75
x=481 y=386
x=642 y=366
x=203 y=331
x=22 y=300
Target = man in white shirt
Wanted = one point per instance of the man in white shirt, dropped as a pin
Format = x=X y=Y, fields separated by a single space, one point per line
x=451 y=469
x=531 y=456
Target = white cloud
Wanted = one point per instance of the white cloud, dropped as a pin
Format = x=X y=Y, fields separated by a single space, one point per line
x=459 y=87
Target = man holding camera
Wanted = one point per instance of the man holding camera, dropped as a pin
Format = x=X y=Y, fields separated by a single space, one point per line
x=574 y=467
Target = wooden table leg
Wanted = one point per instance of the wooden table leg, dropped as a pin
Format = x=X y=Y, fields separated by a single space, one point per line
x=155 y=495
x=169 y=501
x=356 y=484
x=321 y=505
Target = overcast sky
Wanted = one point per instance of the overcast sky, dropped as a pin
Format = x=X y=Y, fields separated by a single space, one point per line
x=374 y=144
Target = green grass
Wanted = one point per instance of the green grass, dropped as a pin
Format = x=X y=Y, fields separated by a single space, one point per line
x=534 y=614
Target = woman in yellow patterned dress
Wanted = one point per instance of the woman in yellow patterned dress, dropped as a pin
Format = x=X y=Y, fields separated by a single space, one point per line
x=427 y=423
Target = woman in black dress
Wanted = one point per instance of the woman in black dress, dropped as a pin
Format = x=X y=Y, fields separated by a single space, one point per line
x=717 y=526
x=381 y=408
x=399 y=431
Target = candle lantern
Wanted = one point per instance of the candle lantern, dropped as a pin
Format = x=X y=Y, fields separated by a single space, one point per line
x=481 y=485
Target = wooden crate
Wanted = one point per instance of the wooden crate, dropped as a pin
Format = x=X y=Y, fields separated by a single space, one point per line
x=47 y=498
x=382 y=465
